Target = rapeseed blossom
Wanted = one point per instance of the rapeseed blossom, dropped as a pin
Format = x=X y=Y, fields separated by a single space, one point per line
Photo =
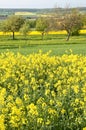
x=39 y=91
x=39 y=33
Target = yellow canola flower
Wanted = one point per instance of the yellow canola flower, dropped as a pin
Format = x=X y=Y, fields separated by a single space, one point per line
x=26 y=82
x=63 y=111
x=2 y=96
x=82 y=103
x=2 y=126
x=14 y=121
x=84 y=89
x=39 y=120
x=51 y=111
x=18 y=101
x=82 y=31
x=36 y=86
x=59 y=104
x=16 y=111
x=47 y=91
x=51 y=102
x=65 y=92
x=76 y=89
x=44 y=105
x=48 y=122
x=32 y=110
x=26 y=97
x=3 y=92
x=84 y=128
x=85 y=98
x=77 y=100
x=53 y=93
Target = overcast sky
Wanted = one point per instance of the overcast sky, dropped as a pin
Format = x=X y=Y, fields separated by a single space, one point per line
x=41 y=3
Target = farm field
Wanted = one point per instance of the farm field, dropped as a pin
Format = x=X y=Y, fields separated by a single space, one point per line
x=42 y=72
x=42 y=82
x=42 y=92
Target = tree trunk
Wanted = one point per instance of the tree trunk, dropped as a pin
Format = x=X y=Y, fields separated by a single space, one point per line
x=13 y=36
x=42 y=35
x=68 y=37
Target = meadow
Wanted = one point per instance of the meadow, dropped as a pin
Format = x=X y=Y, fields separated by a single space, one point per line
x=33 y=43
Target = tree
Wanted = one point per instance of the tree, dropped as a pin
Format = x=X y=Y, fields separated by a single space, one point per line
x=42 y=25
x=84 y=20
x=72 y=23
x=32 y=23
x=25 y=28
x=28 y=26
x=13 y=24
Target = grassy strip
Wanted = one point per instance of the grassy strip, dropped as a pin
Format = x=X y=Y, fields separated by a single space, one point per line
x=56 y=43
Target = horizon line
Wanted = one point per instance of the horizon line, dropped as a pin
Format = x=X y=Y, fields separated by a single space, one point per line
x=39 y=8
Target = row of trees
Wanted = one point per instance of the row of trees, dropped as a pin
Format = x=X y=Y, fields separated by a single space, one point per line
x=72 y=22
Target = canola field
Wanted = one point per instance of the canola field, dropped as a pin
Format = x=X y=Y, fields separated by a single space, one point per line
x=83 y=31
x=42 y=92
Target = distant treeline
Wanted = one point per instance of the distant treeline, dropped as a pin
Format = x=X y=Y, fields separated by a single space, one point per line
x=8 y=11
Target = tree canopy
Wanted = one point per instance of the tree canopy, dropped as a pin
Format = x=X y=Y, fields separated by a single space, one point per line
x=13 y=24
x=72 y=23
x=42 y=25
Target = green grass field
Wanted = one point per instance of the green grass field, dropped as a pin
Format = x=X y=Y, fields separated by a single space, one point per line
x=32 y=44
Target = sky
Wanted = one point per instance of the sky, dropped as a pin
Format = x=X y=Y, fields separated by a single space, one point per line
x=41 y=3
